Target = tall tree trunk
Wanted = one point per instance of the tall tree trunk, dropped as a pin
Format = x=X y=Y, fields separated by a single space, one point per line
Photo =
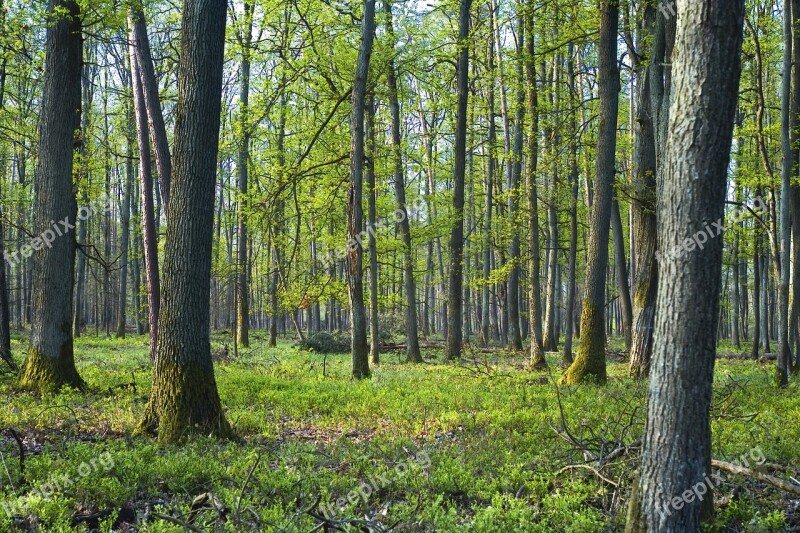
x=372 y=215
x=50 y=362
x=591 y=357
x=754 y=351
x=573 y=207
x=489 y=201
x=125 y=219
x=676 y=454
x=242 y=285
x=459 y=155
x=140 y=43
x=152 y=277
x=184 y=398
x=782 y=266
x=515 y=177
x=413 y=354
x=621 y=273
x=355 y=223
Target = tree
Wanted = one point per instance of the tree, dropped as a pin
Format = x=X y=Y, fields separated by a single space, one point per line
x=184 y=397
x=355 y=210
x=50 y=362
x=409 y=286
x=242 y=286
x=454 y=318
x=676 y=454
x=149 y=234
x=591 y=357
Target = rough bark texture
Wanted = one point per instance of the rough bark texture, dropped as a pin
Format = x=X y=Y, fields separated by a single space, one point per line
x=184 y=398
x=355 y=215
x=676 y=454
x=454 y=337
x=590 y=361
x=50 y=362
x=413 y=354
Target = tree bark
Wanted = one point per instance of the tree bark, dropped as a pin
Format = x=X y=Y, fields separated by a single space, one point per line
x=413 y=354
x=621 y=273
x=242 y=284
x=676 y=453
x=372 y=196
x=184 y=398
x=459 y=166
x=355 y=215
x=150 y=237
x=534 y=279
x=50 y=362
x=152 y=104
x=590 y=361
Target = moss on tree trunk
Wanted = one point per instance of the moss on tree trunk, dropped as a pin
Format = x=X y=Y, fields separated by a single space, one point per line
x=48 y=374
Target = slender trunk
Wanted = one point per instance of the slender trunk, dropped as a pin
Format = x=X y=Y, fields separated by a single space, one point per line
x=459 y=154
x=148 y=214
x=621 y=272
x=140 y=44
x=372 y=198
x=573 y=209
x=413 y=354
x=591 y=357
x=355 y=214
x=125 y=218
x=242 y=283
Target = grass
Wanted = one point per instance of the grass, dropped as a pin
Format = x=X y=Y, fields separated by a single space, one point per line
x=478 y=446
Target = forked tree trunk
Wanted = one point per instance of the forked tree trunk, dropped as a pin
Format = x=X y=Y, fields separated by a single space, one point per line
x=454 y=337
x=676 y=454
x=355 y=215
x=140 y=43
x=184 y=398
x=50 y=362
x=413 y=354
x=590 y=361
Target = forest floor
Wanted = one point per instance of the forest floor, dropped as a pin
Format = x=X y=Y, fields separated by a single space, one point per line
x=484 y=445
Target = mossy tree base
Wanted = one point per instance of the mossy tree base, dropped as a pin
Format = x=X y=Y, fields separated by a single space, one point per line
x=184 y=401
x=49 y=374
x=590 y=360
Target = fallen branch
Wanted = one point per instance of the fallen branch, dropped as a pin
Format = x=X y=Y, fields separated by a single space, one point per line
x=766 y=478
x=178 y=521
x=589 y=468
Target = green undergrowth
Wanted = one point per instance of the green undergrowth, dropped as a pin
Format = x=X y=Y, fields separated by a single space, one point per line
x=481 y=445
